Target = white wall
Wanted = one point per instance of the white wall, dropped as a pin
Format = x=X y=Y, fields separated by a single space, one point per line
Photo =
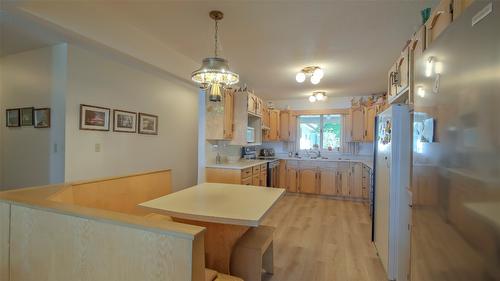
x=26 y=151
x=96 y=80
x=304 y=104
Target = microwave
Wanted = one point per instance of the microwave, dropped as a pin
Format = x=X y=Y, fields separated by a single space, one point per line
x=250 y=134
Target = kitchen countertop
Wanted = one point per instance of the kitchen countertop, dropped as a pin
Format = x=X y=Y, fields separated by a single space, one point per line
x=364 y=161
x=243 y=164
x=240 y=165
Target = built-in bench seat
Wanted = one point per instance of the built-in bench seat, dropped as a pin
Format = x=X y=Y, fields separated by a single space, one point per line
x=252 y=253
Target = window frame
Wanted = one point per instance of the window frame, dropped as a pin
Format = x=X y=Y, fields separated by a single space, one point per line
x=321 y=123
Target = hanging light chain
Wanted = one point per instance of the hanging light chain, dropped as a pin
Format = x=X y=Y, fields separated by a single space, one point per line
x=216 y=37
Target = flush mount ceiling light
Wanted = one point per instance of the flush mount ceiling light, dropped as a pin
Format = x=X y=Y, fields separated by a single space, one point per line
x=317 y=96
x=214 y=72
x=314 y=72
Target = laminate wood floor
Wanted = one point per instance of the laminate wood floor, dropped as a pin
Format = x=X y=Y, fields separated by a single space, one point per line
x=323 y=240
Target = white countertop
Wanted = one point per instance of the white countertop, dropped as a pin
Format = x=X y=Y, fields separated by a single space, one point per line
x=218 y=203
x=240 y=165
x=243 y=164
x=331 y=159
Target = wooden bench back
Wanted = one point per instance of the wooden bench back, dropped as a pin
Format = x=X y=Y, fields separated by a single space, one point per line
x=121 y=194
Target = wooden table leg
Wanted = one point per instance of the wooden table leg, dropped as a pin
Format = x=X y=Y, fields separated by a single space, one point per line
x=219 y=242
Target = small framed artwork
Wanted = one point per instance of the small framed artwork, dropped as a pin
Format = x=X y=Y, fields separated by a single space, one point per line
x=124 y=121
x=27 y=116
x=148 y=124
x=13 y=117
x=42 y=118
x=94 y=118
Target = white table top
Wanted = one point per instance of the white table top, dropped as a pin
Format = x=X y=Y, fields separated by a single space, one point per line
x=219 y=203
x=490 y=211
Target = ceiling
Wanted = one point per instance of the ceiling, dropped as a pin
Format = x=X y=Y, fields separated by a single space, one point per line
x=266 y=42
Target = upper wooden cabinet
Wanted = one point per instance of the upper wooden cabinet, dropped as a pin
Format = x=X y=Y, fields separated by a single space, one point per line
x=370 y=113
x=439 y=20
x=274 y=125
x=416 y=51
x=399 y=77
x=392 y=79
x=219 y=123
x=459 y=7
x=288 y=124
x=357 y=123
x=254 y=105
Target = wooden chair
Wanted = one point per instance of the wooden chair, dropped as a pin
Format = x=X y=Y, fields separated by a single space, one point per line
x=252 y=253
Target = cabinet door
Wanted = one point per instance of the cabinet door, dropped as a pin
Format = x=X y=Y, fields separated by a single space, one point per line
x=403 y=72
x=274 y=124
x=328 y=181
x=228 y=114
x=392 y=78
x=356 y=180
x=259 y=105
x=291 y=175
x=308 y=181
x=282 y=175
x=246 y=181
x=417 y=48
x=439 y=20
x=265 y=117
x=365 y=192
x=256 y=180
x=370 y=113
x=357 y=123
x=343 y=182
x=251 y=103
x=284 y=125
x=263 y=179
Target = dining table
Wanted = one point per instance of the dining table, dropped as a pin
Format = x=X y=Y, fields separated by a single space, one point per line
x=227 y=211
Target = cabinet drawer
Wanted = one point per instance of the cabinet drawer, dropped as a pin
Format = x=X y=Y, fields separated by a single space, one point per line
x=256 y=169
x=246 y=172
x=263 y=167
x=246 y=181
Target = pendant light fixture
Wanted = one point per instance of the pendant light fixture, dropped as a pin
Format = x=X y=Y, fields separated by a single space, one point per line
x=214 y=74
x=315 y=73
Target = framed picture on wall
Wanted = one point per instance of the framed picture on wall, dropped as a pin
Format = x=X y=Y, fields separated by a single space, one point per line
x=27 y=116
x=94 y=118
x=148 y=124
x=42 y=118
x=124 y=121
x=13 y=117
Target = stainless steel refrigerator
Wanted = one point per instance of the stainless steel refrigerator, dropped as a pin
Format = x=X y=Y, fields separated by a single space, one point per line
x=456 y=151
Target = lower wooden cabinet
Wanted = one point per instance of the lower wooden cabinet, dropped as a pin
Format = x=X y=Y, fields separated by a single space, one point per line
x=308 y=181
x=247 y=181
x=255 y=175
x=339 y=179
x=263 y=179
x=328 y=181
x=291 y=179
x=282 y=179
x=256 y=179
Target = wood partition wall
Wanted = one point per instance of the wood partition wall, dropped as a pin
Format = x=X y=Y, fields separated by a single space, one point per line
x=58 y=233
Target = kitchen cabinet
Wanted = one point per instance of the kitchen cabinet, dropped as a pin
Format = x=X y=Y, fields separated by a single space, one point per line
x=284 y=125
x=282 y=174
x=357 y=123
x=254 y=104
x=256 y=180
x=403 y=70
x=459 y=7
x=366 y=183
x=439 y=20
x=308 y=180
x=244 y=119
x=220 y=119
x=417 y=47
x=392 y=79
x=343 y=180
x=356 y=180
x=328 y=181
x=274 y=126
x=265 y=117
x=247 y=181
x=228 y=114
x=370 y=113
x=292 y=176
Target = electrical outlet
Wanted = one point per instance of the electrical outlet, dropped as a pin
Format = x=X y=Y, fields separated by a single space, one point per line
x=97 y=147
